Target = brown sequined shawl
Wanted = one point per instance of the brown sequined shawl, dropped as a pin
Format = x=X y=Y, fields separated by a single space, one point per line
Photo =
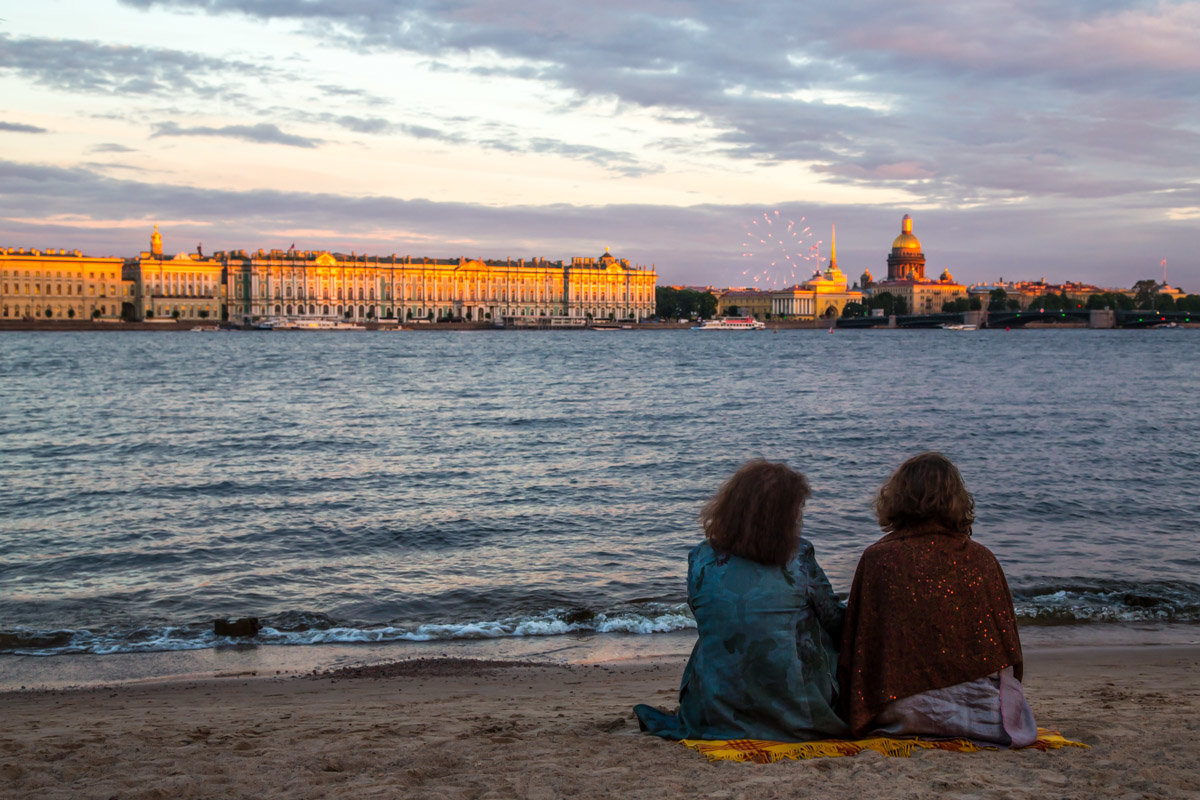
x=927 y=610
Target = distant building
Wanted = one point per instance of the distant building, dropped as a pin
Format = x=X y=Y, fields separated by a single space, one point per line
x=823 y=295
x=188 y=286
x=906 y=276
x=743 y=302
x=60 y=285
x=906 y=262
x=310 y=285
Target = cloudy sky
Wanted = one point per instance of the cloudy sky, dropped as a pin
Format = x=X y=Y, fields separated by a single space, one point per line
x=1028 y=138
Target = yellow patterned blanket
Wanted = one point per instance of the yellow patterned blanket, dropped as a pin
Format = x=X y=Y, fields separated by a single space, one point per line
x=761 y=751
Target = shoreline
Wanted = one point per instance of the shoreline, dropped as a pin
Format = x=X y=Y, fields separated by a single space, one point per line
x=61 y=326
x=451 y=728
x=81 y=671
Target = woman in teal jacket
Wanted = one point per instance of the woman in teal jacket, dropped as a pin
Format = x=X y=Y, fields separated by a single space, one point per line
x=764 y=663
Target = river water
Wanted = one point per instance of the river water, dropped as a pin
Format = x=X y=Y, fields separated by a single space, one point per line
x=443 y=487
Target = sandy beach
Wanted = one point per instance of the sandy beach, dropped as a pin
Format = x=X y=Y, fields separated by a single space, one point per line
x=452 y=728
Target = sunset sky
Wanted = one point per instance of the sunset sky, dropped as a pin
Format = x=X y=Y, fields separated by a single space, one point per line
x=1028 y=139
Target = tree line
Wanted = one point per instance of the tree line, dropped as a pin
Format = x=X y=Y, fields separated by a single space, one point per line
x=671 y=303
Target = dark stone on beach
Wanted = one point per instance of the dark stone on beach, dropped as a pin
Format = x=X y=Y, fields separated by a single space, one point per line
x=246 y=626
x=1140 y=601
x=579 y=615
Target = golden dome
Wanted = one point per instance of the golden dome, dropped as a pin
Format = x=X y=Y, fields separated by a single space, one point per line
x=906 y=240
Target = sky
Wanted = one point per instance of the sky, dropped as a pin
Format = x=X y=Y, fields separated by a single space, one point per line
x=1027 y=139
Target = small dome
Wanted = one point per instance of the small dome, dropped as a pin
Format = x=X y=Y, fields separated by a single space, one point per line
x=946 y=277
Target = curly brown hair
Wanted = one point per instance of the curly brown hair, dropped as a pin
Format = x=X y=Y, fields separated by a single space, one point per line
x=756 y=513
x=926 y=491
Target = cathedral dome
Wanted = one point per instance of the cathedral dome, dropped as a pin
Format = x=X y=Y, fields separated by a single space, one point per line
x=906 y=242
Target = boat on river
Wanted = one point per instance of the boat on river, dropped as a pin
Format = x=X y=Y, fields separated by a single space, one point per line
x=730 y=324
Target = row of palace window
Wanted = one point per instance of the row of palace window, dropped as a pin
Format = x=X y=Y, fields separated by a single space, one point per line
x=370 y=312
x=21 y=273
x=202 y=312
x=50 y=311
x=48 y=289
x=182 y=284
x=469 y=292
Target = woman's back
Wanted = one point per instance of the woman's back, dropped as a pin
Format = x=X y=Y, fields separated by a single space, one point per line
x=930 y=644
x=764 y=662
x=928 y=610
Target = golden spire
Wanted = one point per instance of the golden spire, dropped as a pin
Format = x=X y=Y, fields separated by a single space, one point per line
x=833 y=249
x=155 y=242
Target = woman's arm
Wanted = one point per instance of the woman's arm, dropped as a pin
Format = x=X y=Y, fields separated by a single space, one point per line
x=830 y=611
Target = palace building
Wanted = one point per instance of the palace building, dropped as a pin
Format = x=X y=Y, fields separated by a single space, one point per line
x=60 y=285
x=744 y=302
x=302 y=286
x=298 y=285
x=188 y=286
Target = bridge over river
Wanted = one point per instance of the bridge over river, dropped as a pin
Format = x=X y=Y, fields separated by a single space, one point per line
x=1019 y=319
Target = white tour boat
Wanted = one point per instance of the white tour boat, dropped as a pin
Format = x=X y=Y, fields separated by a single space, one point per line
x=730 y=324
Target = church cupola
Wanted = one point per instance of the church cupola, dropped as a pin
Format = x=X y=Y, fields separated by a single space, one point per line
x=155 y=242
x=906 y=261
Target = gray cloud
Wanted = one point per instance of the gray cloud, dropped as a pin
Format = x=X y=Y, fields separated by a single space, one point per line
x=953 y=101
x=95 y=68
x=18 y=127
x=112 y=147
x=263 y=133
x=100 y=166
x=360 y=124
x=503 y=137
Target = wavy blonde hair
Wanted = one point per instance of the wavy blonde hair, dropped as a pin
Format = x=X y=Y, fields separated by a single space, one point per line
x=926 y=491
x=756 y=513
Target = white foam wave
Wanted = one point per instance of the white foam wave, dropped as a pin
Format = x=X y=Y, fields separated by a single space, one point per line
x=556 y=622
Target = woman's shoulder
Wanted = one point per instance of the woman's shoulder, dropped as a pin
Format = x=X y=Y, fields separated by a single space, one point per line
x=704 y=556
x=701 y=552
x=908 y=545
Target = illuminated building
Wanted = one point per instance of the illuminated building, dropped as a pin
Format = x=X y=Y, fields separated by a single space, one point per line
x=295 y=285
x=906 y=276
x=298 y=285
x=906 y=261
x=60 y=285
x=823 y=295
x=744 y=303
x=188 y=286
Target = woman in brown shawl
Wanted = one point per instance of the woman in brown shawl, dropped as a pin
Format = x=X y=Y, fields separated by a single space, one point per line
x=930 y=645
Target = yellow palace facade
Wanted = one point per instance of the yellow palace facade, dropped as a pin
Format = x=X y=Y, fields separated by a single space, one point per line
x=299 y=286
x=305 y=285
x=188 y=286
x=60 y=285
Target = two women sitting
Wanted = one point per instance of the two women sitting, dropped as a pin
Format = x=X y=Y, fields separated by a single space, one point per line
x=928 y=638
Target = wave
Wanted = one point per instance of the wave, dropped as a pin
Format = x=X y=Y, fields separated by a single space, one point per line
x=1078 y=602
x=316 y=629
x=1108 y=601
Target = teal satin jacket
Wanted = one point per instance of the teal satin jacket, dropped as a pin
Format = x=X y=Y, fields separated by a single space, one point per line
x=764 y=663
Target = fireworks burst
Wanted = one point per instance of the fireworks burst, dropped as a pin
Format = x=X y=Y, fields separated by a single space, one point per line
x=780 y=251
